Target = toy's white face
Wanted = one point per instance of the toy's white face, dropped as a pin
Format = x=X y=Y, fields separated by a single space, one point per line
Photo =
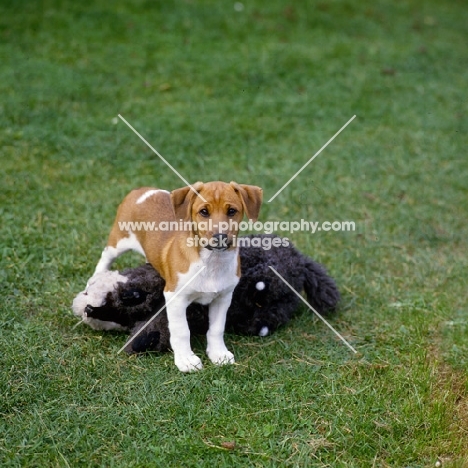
x=95 y=295
x=100 y=284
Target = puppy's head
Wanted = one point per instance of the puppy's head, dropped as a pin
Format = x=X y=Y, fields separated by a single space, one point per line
x=215 y=210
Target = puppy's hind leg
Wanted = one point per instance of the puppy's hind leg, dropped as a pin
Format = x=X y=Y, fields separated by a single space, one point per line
x=110 y=253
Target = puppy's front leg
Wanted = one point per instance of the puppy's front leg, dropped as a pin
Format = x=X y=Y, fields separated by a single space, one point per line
x=184 y=357
x=216 y=349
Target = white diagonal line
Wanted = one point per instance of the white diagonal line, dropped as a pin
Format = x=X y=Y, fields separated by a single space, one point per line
x=312 y=158
x=313 y=310
x=162 y=159
x=160 y=310
x=79 y=323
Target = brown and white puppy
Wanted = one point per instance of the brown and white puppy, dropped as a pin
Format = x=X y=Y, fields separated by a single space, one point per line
x=210 y=214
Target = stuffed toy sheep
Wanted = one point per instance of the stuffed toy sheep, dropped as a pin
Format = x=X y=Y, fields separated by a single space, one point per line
x=261 y=302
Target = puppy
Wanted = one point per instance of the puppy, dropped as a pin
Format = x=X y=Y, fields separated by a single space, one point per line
x=189 y=236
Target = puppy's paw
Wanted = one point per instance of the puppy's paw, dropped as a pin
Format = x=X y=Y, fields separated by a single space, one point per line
x=221 y=357
x=189 y=363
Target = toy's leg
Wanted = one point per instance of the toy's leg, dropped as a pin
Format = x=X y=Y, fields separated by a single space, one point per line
x=216 y=349
x=184 y=357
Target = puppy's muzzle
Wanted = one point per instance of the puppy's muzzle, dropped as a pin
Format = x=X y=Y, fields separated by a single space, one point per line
x=219 y=242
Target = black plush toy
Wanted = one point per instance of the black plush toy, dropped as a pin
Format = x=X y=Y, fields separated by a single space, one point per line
x=261 y=302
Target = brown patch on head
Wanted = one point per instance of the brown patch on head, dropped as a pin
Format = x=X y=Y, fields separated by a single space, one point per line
x=219 y=209
x=251 y=198
x=219 y=216
x=182 y=200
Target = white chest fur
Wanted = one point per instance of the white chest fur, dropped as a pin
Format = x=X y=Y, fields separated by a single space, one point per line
x=218 y=276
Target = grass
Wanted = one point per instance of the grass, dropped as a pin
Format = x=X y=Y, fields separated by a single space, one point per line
x=249 y=96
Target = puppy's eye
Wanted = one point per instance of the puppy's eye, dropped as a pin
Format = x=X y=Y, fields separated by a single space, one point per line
x=231 y=212
x=204 y=212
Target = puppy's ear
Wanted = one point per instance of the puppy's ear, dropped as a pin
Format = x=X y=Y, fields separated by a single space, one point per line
x=251 y=197
x=182 y=200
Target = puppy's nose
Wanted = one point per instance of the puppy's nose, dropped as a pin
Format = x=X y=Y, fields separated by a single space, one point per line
x=220 y=237
x=219 y=241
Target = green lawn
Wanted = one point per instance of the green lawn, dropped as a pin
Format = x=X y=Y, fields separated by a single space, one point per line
x=248 y=95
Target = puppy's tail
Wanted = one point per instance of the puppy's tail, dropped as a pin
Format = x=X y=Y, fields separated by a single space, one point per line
x=321 y=290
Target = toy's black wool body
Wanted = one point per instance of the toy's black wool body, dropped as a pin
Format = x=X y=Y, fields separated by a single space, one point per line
x=261 y=303
x=254 y=309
